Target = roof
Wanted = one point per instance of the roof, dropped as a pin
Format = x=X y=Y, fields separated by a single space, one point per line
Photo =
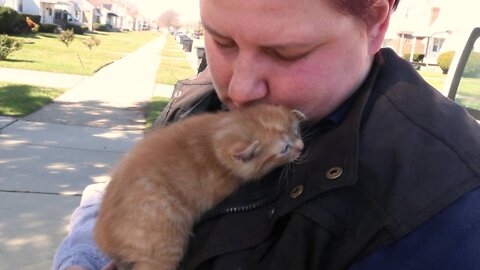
x=96 y=3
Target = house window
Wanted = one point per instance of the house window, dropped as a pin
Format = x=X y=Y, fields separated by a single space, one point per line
x=20 y=5
x=437 y=44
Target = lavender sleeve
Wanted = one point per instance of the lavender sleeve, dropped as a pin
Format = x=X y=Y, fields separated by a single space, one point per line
x=78 y=247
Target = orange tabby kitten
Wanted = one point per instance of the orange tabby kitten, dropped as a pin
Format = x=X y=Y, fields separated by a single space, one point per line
x=180 y=171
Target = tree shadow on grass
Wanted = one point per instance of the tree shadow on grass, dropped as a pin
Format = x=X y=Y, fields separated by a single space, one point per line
x=18 y=61
x=20 y=100
x=95 y=33
x=48 y=35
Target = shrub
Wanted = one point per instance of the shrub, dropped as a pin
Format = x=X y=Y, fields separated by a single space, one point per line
x=417 y=57
x=47 y=27
x=67 y=37
x=472 y=68
x=34 y=27
x=444 y=60
x=7 y=46
x=102 y=27
x=91 y=42
x=35 y=18
x=77 y=29
x=8 y=20
x=27 y=23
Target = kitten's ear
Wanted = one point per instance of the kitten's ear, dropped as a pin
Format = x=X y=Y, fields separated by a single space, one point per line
x=299 y=115
x=246 y=153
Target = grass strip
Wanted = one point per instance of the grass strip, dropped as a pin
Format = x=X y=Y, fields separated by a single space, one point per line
x=154 y=109
x=19 y=100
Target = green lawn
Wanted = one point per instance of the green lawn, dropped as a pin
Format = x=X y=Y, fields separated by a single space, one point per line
x=157 y=104
x=174 y=65
x=47 y=53
x=468 y=93
x=436 y=79
x=20 y=100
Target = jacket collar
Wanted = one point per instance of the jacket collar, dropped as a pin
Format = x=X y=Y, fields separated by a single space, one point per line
x=332 y=158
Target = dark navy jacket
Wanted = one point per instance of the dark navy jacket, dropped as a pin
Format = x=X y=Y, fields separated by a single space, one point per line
x=394 y=185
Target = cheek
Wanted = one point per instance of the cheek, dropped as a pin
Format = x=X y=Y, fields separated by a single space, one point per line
x=219 y=67
x=302 y=86
x=319 y=84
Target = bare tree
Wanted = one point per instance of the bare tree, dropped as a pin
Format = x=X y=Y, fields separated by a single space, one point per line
x=169 y=18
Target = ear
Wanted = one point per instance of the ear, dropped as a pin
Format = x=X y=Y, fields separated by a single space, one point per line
x=246 y=153
x=377 y=25
x=299 y=115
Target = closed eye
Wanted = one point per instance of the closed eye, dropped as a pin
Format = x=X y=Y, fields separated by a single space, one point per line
x=225 y=44
x=286 y=149
x=290 y=57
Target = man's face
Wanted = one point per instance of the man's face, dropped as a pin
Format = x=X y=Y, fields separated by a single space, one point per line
x=301 y=54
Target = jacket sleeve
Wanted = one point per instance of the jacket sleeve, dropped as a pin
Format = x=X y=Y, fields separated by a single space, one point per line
x=449 y=240
x=79 y=248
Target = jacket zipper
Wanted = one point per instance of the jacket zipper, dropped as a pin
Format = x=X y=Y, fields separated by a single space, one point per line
x=236 y=209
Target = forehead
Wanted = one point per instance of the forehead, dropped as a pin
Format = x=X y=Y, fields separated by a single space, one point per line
x=263 y=20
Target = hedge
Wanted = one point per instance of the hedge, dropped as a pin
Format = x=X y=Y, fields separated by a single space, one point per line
x=8 y=20
x=102 y=27
x=48 y=27
x=77 y=29
x=417 y=57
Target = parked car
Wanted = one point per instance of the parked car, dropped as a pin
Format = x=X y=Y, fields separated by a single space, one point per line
x=463 y=80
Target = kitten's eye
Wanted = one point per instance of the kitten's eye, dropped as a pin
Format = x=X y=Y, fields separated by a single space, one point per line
x=286 y=149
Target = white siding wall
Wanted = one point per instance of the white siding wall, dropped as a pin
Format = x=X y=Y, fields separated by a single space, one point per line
x=31 y=7
x=10 y=3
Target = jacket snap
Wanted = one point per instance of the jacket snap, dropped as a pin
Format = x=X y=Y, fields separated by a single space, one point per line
x=296 y=192
x=334 y=172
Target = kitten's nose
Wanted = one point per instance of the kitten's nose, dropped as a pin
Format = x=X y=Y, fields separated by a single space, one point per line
x=299 y=145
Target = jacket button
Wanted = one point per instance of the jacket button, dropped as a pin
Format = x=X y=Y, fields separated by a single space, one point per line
x=334 y=172
x=271 y=213
x=297 y=191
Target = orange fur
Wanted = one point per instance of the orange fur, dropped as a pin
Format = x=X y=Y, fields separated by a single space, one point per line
x=178 y=172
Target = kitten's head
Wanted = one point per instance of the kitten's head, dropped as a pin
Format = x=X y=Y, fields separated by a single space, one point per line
x=254 y=140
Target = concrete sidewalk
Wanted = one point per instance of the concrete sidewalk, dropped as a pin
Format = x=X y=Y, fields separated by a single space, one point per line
x=40 y=78
x=48 y=157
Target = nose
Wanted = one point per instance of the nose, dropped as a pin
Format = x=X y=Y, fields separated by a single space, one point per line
x=299 y=145
x=248 y=82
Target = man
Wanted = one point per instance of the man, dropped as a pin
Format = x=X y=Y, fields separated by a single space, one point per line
x=391 y=176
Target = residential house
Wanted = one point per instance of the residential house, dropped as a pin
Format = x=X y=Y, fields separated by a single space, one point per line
x=49 y=10
x=417 y=35
x=96 y=11
x=86 y=12
x=75 y=11
x=430 y=27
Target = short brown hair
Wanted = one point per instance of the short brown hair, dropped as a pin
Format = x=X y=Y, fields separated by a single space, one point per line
x=357 y=8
